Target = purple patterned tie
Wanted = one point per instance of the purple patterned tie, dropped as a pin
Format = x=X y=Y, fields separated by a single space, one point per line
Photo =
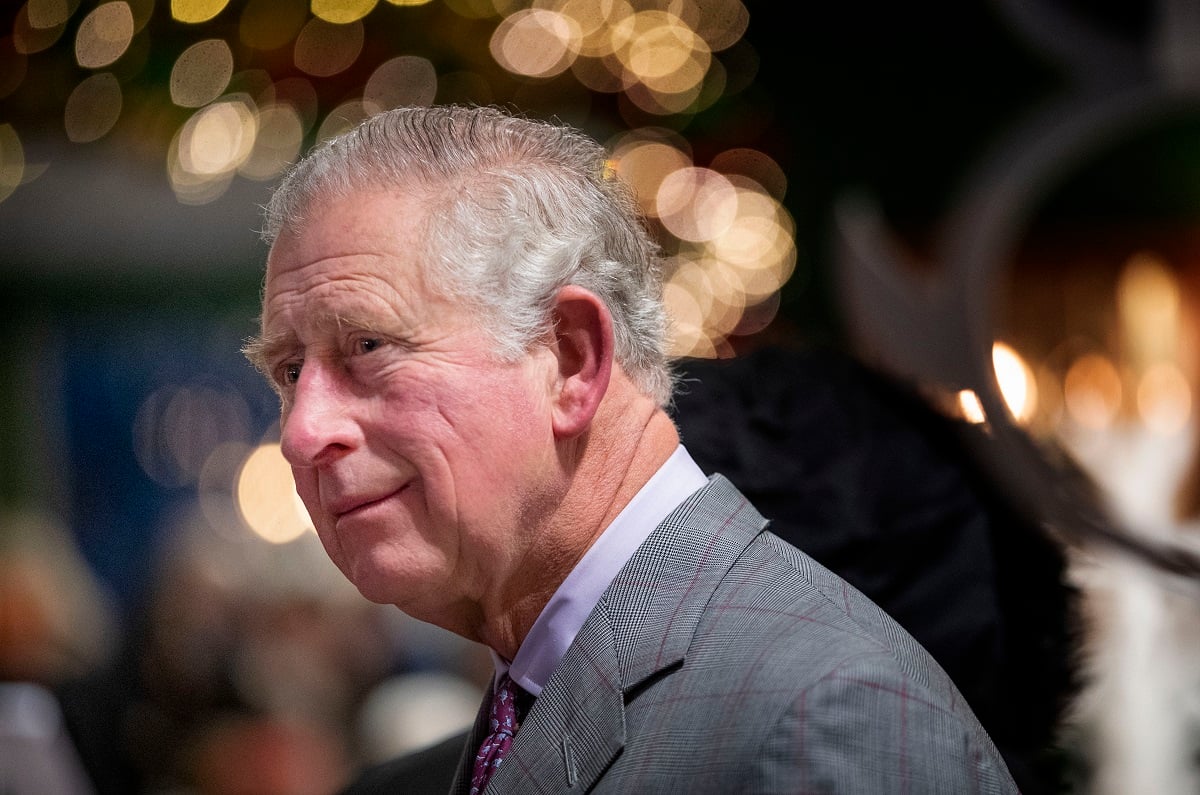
x=504 y=726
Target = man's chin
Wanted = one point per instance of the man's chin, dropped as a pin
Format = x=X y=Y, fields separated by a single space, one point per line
x=384 y=583
x=377 y=597
x=376 y=587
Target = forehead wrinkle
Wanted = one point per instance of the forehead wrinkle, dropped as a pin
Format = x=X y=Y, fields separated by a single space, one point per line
x=331 y=295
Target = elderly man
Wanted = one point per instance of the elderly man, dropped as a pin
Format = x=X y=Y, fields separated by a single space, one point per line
x=462 y=317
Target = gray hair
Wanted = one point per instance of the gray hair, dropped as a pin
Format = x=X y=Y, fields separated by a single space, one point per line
x=518 y=209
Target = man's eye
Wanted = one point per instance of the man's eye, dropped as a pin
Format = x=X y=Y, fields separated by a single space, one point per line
x=291 y=373
x=367 y=344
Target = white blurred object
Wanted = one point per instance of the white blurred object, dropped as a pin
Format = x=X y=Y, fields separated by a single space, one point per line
x=37 y=756
x=1139 y=711
x=413 y=711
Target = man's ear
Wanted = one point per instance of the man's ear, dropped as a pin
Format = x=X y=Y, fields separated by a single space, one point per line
x=583 y=346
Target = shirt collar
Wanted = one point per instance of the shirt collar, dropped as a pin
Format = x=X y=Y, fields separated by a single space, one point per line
x=560 y=620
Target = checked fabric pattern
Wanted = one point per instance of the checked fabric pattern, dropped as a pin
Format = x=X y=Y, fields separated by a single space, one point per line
x=504 y=725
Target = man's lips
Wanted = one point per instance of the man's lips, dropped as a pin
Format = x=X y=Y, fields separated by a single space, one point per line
x=348 y=507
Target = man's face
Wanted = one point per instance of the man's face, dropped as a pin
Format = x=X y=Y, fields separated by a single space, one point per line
x=422 y=458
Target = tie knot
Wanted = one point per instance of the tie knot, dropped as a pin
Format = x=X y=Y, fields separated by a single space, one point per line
x=505 y=718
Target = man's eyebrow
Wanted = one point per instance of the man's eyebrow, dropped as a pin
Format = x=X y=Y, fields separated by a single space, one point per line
x=350 y=320
x=263 y=349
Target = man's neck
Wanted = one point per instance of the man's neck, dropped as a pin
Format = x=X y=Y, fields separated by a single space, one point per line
x=629 y=441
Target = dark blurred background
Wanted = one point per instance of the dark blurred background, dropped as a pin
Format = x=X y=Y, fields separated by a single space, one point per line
x=941 y=189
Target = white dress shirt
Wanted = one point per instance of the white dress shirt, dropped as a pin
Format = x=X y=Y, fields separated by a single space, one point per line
x=560 y=620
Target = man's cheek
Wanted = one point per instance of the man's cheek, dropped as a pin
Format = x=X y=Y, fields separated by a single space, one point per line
x=309 y=494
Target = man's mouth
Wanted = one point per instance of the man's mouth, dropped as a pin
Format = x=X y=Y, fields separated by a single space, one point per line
x=358 y=506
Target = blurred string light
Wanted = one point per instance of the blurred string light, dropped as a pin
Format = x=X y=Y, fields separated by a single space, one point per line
x=1017 y=382
x=732 y=244
x=251 y=84
x=104 y=35
x=93 y=108
x=198 y=435
x=201 y=73
x=1139 y=376
x=267 y=499
x=177 y=427
x=1018 y=388
x=1149 y=304
x=196 y=11
x=1092 y=391
x=12 y=160
x=1164 y=399
x=324 y=49
x=658 y=55
x=1151 y=329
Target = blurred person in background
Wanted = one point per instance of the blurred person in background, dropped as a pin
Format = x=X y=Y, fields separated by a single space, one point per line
x=56 y=627
x=462 y=316
x=861 y=471
x=243 y=670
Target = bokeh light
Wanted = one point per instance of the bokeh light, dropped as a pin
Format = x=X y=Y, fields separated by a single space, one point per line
x=271 y=24
x=196 y=11
x=28 y=39
x=342 y=12
x=104 y=35
x=201 y=73
x=662 y=51
x=1164 y=399
x=266 y=497
x=12 y=160
x=696 y=204
x=970 y=407
x=218 y=138
x=177 y=428
x=644 y=159
x=342 y=118
x=92 y=108
x=536 y=42
x=13 y=66
x=1017 y=384
x=404 y=80
x=324 y=49
x=277 y=144
x=216 y=488
x=142 y=10
x=49 y=13
x=1148 y=303
x=1092 y=391
x=754 y=165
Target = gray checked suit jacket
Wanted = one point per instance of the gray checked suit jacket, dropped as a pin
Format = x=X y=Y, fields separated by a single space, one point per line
x=723 y=660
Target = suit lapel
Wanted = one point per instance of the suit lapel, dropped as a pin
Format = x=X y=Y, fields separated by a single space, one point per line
x=659 y=597
x=576 y=727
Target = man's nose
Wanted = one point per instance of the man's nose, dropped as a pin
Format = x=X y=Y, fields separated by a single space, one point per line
x=317 y=426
